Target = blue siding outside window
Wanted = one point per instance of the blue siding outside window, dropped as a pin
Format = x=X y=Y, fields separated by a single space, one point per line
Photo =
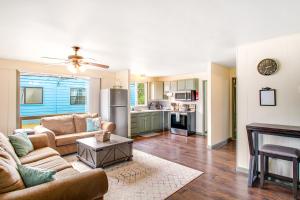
x=132 y=94
x=56 y=95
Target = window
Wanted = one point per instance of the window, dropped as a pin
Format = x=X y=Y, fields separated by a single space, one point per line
x=77 y=96
x=138 y=94
x=31 y=95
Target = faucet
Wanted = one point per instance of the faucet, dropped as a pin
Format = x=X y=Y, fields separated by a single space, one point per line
x=149 y=105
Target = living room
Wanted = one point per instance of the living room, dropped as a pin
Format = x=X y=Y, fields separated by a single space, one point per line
x=149 y=100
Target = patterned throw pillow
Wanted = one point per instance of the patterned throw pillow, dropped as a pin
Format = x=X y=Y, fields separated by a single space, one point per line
x=34 y=176
x=21 y=144
x=93 y=124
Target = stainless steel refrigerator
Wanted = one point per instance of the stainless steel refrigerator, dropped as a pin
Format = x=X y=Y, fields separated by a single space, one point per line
x=114 y=108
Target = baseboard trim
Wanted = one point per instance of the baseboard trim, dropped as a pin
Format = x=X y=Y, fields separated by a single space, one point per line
x=219 y=145
x=200 y=133
x=242 y=170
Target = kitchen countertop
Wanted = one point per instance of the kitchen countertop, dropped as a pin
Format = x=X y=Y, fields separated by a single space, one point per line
x=145 y=111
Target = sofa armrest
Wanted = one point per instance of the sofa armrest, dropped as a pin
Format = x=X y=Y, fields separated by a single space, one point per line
x=39 y=141
x=108 y=126
x=49 y=133
x=88 y=185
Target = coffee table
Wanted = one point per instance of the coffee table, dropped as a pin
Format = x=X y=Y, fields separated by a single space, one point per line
x=101 y=154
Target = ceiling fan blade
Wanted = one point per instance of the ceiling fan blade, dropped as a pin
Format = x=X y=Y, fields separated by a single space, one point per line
x=54 y=58
x=95 y=64
x=60 y=63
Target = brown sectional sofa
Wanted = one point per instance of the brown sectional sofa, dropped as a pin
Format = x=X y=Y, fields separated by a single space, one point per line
x=63 y=131
x=68 y=183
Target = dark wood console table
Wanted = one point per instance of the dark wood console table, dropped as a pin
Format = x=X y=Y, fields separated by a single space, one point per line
x=253 y=130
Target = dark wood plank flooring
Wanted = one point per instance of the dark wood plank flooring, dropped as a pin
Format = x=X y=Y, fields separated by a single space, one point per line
x=219 y=181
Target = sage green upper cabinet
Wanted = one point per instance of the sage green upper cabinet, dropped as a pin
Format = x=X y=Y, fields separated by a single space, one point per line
x=156 y=90
x=173 y=86
x=181 y=84
x=167 y=86
x=191 y=84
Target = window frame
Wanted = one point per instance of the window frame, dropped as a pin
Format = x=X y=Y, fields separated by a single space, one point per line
x=136 y=94
x=85 y=96
x=24 y=93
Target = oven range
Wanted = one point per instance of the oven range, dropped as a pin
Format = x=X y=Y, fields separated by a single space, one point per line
x=183 y=123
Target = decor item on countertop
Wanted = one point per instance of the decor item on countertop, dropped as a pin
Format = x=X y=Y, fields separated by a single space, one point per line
x=145 y=176
x=102 y=136
x=93 y=124
x=21 y=144
x=267 y=67
x=267 y=97
x=34 y=176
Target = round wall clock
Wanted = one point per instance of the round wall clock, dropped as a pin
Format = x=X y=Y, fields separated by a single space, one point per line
x=267 y=67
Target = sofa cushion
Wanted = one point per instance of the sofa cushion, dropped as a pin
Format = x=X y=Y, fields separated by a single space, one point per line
x=5 y=144
x=71 y=138
x=4 y=155
x=80 y=121
x=55 y=163
x=35 y=176
x=38 y=155
x=21 y=144
x=60 y=125
x=9 y=175
x=65 y=173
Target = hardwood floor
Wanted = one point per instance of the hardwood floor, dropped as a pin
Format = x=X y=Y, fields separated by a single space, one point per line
x=219 y=181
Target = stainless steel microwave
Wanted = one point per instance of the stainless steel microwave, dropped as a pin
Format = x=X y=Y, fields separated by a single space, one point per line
x=186 y=95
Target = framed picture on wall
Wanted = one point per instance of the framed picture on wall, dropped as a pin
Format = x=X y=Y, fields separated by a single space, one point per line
x=267 y=97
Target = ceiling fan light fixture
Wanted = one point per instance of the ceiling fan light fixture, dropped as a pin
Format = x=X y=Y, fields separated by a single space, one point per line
x=72 y=68
x=75 y=63
x=82 y=68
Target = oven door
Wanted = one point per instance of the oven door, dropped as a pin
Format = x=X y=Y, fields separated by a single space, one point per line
x=180 y=96
x=179 y=123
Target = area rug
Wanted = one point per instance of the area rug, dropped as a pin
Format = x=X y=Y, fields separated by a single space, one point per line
x=150 y=135
x=145 y=177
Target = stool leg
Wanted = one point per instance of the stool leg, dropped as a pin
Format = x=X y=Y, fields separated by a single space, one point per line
x=295 y=177
x=262 y=170
x=266 y=165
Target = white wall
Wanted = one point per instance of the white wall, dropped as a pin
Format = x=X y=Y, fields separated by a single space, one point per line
x=218 y=103
x=94 y=95
x=8 y=100
x=286 y=81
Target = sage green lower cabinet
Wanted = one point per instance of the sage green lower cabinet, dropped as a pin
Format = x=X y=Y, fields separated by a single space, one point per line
x=148 y=122
x=166 y=117
x=156 y=121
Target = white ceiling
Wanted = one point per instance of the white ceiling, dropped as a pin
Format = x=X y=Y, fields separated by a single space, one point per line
x=152 y=37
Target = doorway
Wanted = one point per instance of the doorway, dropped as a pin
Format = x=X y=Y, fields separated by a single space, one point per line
x=204 y=95
x=233 y=108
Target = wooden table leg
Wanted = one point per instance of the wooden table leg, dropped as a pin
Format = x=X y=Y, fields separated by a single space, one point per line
x=251 y=171
x=253 y=164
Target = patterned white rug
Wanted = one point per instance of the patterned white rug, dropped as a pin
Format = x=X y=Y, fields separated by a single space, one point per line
x=145 y=177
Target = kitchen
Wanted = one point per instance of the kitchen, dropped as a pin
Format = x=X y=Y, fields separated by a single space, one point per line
x=167 y=103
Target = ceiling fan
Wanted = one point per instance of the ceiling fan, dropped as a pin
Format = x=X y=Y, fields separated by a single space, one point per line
x=76 y=63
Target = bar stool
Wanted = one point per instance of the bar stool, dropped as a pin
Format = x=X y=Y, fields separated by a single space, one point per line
x=280 y=152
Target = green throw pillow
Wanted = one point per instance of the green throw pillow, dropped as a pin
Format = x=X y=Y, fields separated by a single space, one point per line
x=21 y=144
x=93 y=124
x=34 y=176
